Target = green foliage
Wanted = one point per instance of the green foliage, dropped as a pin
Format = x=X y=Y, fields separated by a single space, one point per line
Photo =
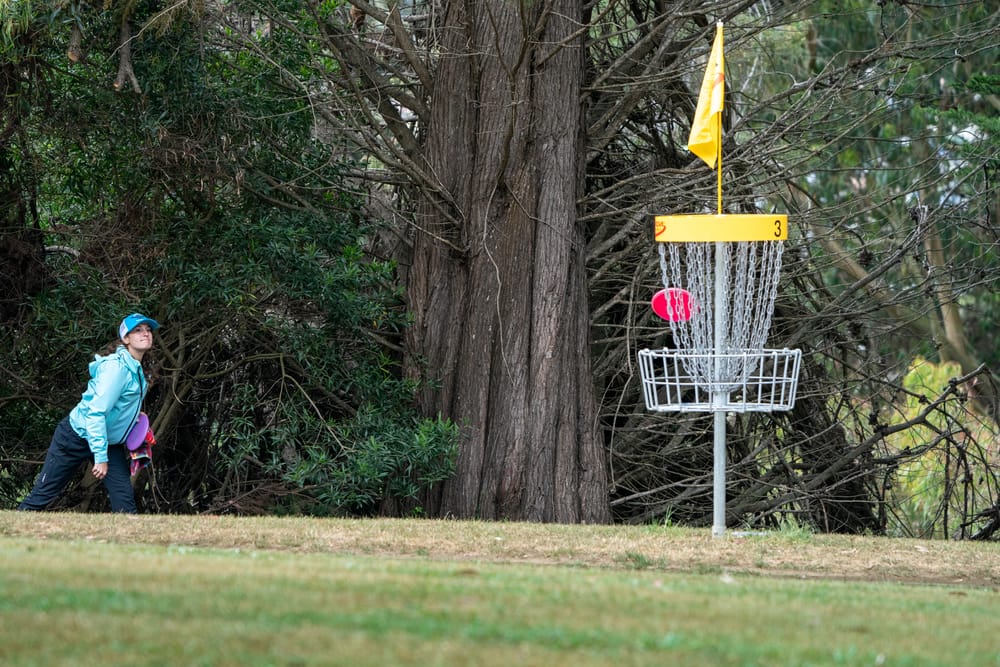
x=944 y=464
x=385 y=460
x=15 y=18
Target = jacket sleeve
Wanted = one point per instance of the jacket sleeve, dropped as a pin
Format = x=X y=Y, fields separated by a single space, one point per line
x=108 y=385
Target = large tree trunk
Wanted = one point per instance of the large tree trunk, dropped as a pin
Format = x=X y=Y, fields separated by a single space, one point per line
x=497 y=285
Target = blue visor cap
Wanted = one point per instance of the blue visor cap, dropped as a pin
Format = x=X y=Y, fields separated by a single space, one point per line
x=134 y=320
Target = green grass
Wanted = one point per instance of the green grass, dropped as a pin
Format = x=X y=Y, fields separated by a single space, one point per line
x=85 y=602
x=93 y=599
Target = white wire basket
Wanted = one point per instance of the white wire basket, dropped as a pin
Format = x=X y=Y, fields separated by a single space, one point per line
x=771 y=380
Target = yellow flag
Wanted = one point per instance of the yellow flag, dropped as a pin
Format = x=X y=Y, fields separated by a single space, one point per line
x=705 y=127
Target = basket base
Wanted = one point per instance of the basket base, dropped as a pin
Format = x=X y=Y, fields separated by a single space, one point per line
x=770 y=384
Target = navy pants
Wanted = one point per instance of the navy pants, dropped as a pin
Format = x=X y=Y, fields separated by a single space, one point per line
x=66 y=452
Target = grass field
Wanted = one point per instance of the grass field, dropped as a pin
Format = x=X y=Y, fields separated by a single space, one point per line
x=157 y=590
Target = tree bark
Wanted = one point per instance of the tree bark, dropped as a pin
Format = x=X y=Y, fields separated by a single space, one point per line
x=126 y=74
x=497 y=285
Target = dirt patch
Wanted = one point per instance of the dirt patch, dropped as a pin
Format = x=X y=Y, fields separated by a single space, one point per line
x=834 y=557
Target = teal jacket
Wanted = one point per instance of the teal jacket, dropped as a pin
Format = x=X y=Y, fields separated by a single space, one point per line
x=110 y=405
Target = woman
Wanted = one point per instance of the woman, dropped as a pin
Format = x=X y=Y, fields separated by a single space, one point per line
x=96 y=428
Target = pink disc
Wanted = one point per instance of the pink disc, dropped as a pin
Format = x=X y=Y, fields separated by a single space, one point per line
x=673 y=304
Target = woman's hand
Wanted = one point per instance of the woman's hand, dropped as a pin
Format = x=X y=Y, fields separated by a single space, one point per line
x=100 y=470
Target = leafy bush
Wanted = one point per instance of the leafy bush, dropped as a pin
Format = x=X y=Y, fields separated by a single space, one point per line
x=944 y=465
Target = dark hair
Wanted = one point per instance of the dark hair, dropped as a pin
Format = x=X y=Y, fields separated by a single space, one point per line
x=150 y=368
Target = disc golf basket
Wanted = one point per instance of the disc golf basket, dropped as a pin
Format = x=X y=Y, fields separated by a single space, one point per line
x=720 y=279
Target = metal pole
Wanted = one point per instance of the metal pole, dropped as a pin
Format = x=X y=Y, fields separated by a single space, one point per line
x=719 y=476
x=719 y=399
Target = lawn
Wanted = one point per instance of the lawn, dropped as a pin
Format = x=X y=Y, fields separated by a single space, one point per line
x=87 y=589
